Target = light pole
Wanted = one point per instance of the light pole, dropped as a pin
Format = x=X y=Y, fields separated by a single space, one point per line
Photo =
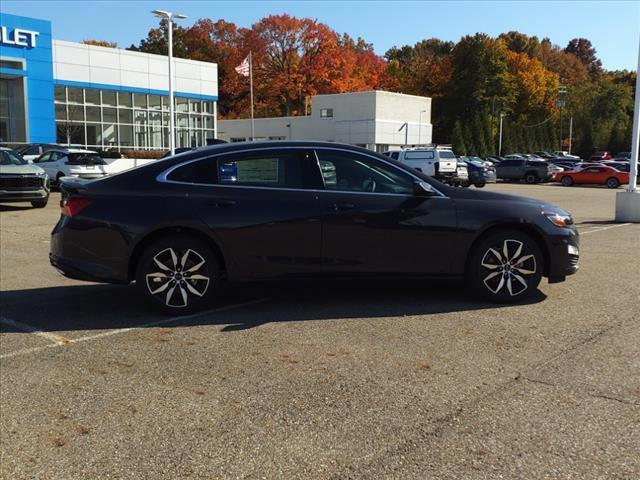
x=168 y=16
x=562 y=90
x=420 y=126
x=500 y=136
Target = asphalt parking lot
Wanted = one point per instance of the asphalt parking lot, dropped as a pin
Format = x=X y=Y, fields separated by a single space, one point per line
x=403 y=381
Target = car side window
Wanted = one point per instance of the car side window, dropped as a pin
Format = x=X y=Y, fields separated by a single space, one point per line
x=45 y=158
x=200 y=171
x=266 y=169
x=394 y=155
x=352 y=172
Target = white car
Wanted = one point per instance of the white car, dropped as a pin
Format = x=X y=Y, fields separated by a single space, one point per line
x=564 y=153
x=71 y=162
x=437 y=161
x=30 y=152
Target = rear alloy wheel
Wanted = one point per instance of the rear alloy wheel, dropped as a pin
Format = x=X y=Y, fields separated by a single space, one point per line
x=178 y=274
x=531 y=178
x=612 y=182
x=567 y=181
x=506 y=267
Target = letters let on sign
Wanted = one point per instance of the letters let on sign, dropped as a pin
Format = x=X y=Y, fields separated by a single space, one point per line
x=19 y=37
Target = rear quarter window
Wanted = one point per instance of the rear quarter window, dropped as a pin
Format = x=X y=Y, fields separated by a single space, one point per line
x=419 y=155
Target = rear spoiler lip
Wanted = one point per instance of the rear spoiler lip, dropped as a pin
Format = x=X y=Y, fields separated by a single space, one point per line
x=73 y=185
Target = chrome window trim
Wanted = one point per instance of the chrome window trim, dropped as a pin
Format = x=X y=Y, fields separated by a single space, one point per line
x=162 y=177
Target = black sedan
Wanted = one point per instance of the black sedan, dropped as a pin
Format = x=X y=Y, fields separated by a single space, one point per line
x=180 y=227
x=480 y=173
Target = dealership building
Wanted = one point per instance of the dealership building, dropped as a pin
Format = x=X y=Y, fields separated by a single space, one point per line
x=376 y=120
x=54 y=91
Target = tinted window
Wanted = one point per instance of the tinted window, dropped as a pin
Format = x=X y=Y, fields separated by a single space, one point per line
x=446 y=154
x=85 y=159
x=510 y=163
x=32 y=150
x=278 y=170
x=419 y=155
x=357 y=173
x=202 y=171
x=394 y=155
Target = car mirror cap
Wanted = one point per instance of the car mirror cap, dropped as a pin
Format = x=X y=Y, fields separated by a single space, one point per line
x=423 y=189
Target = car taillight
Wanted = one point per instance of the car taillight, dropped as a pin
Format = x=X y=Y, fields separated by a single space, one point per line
x=70 y=207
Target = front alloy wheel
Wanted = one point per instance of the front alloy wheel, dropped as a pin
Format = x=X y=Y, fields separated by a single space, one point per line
x=178 y=274
x=506 y=267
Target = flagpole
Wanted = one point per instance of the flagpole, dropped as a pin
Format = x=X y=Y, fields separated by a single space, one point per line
x=253 y=124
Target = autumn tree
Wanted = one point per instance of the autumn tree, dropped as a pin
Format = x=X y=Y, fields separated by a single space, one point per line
x=584 y=51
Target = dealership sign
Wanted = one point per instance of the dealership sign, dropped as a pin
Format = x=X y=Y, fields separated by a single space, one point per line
x=18 y=37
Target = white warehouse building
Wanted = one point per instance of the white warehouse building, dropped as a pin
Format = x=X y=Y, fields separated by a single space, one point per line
x=376 y=120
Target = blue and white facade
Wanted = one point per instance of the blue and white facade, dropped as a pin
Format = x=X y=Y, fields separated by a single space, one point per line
x=54 y=91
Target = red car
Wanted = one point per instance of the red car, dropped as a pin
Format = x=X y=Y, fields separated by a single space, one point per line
x=601 y=175
x=600 y=156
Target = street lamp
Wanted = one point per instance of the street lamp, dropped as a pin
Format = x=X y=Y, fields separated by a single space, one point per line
x=420 y=126
x=500 y=138
x=169 y=17
x=562 y=90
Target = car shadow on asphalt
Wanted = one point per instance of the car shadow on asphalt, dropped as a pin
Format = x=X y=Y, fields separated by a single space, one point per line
x=100 y=307
x=15 y=208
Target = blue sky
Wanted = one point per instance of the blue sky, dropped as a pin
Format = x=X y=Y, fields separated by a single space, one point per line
x=612 y=26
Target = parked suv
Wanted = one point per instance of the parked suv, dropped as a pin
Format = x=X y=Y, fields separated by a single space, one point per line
x=75 y=162
x=531 y=171
x=30 y=152
x=21 y=182
x=437 y=161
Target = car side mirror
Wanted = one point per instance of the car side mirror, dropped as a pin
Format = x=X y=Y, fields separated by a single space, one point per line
x=423 y=189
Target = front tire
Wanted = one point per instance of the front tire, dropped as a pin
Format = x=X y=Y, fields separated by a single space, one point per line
x=567 y=181
x=531 y=178
x=480 y=185
x=40 y=203
x=505 y=267
x=612 y=182
x=179 y=274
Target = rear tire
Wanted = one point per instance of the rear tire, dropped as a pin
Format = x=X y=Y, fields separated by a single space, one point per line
x=612 y=182
x=480 y=185
x=179 y=274
x=505 y=267
x=566 y=181
x=531 y=178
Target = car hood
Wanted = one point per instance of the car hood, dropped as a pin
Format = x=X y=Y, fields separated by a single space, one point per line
x=27 y=169
x=505 y=197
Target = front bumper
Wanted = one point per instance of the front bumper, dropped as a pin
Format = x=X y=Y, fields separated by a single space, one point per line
x=564 y=255
x=23 y=195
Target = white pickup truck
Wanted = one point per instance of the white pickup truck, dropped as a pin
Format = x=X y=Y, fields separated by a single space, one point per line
x=437 y=161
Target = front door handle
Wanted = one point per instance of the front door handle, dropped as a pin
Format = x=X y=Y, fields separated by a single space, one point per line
x=225 y=202
x=342 y=206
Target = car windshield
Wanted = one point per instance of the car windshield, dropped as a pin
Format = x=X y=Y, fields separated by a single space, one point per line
x=9 y=157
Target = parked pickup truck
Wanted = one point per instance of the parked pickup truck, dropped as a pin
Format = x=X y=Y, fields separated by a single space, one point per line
x=437 y=161
x=531 y=171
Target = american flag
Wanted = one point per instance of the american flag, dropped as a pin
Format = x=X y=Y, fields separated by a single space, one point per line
x=243 y=68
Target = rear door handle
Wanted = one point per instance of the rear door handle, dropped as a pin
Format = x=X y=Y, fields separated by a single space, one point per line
x=341 y=206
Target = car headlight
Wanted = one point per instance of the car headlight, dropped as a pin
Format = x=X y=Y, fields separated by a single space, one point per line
x=558 y=219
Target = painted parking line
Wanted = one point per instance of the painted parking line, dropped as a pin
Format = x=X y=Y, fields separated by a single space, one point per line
x=157 y=323
x=52 y=337
x=600 y=229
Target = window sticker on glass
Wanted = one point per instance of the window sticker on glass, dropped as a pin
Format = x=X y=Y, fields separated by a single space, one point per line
x=260 y=170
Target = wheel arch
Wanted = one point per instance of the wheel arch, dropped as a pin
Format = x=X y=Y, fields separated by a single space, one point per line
x=155 y=235
x=526 y=228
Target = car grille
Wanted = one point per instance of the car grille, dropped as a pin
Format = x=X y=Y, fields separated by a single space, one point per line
x=573 y=260
x=20 y=182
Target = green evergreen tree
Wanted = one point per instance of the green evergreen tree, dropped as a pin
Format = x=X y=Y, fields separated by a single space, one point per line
x=468 y=139
x=477 y=129
x=489 y=137
x=457 y=139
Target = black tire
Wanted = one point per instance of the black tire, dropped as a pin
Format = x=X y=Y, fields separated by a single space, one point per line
x=499 y=281
x=480 y=185
x=58 y=177
x=175 y=294
x=531 y=178
x=40 y=203
x=613 y=182
x=567 y=181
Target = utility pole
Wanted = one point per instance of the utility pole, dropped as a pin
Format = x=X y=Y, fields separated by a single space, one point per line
x=405 y=125
x=570 y=133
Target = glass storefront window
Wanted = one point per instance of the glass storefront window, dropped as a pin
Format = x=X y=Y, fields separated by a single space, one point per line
x=155 y=118
x=93 y=114
x=109 y=97
x=75 y=95
x=61 y=112
x=124 y=99
x=126 y=135
x=140 y=116
x=182 y=121
x=208 y=122
x=109 y=115
x=110 y=134
x=196 y=121
x=92 y=96
x=182 y=105
x=60 y=93
x=155 y=137
x=140 y=100
x=125 y=115
x=195 y=106
x=207 y=106
x=76 y=112
x=94 y=134
x=154 y=102
x=141 y=136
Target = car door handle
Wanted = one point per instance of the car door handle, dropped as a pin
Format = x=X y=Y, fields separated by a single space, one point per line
x=225 y=202
x=342 y=206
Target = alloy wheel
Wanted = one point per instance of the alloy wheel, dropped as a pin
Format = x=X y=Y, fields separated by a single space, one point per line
x=180 y=276
x=507 y=267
